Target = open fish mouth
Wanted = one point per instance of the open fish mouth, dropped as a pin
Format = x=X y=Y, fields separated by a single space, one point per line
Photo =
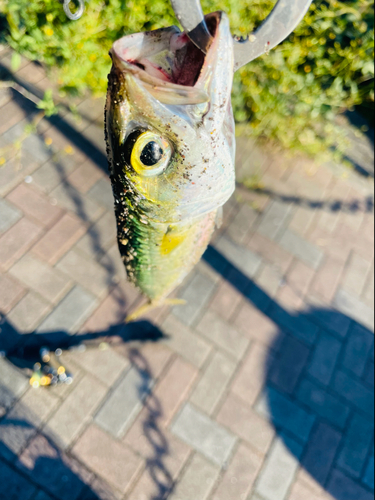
x=166 y=61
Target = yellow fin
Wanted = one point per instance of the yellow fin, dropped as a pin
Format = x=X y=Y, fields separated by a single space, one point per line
x=171 y=240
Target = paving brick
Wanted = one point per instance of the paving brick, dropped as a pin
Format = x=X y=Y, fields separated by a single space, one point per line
x=76 y=411
x=197 y=294
x=302 y=249
x=302 y=492
x=270 y=279
x=286 y=414
x=49 y=282
x=29 y=313
x=197 y=481
x=245 y=423
x=42 y=496
x=59 y=239
x=328 y=278
x=354 y=392
x=113 y=263
x=350 y=305
x=368 y=293
x=242 y=224
x=100 y=236
x=357 y=350
x=124 y=403
x=329 y=319
x=357 y=443
x=35 y=147
x=323 y=403
x=11 y=292
x=70 y=313
x=9 y=215
x=86 y=272
x=356 y=274
x=299 y=277
x=52 y=470
x=226 y=300
x=204 y=435
x=35 y=205
x=213 y=383
x=368 y=478
x=13 y=384
x=252 y=374
x=183 y=341
x=344 y=488
x=289 y=299
x=240 y=476
x=102 y=194
x=101 y=489
x=17 y=241
x=324 y=358
x=85 y=177
x=11 y=114
x=289 y=365
x=223 y=334
x=269 y=250
x=69 y=198
x=15 y=486
x=299 y=325
x=279 y=470
x=321 y=452
x=256 y=325
x=274 y=220
x=369 y=375
x=51 y=174
x=240 y=257
x=108 y=458
x=301 y=220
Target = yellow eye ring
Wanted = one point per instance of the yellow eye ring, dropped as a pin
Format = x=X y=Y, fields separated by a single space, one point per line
x=151 y=154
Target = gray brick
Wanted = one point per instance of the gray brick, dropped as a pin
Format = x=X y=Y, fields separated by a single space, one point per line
x=279 y=470
x=124 y=403
x=100 y=236
x=245 y=260
x=42 y=496
x=321 y=452
x=197 y=481
x=274 y=220
x=343 y=487
x=368 y=477
x=102 y=194
x=329 y=319
x=323 y=403
x=356 y=274
x=369 y=375
x=325 y=358
x=197 y=294
x=353 y=307
x=204 y=435
x=289 y=365
x=286 y=414
x=223 y=334
x=29 y=312
x=305 y=251
x=358 y=440
x=51 y=174
x=15 y=486
x=9 y=215
x=185 y=342
x=213 y=383
x=299 y=325
x=354 y=392
x=49 y=282
x=13 y=384
x=36 y=148
x=86 y=272
x=70 y=198
x=241 y=225
x=358 y=348
x=71 y=312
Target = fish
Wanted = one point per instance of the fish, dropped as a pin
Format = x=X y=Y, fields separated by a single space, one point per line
x=171 y=150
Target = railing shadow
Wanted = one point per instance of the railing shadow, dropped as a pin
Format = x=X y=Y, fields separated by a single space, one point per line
x=318 y=390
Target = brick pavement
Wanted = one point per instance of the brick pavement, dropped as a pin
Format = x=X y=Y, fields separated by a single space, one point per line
x=261 y=388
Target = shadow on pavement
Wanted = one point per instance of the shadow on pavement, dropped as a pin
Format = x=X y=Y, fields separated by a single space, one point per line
x=319 y=388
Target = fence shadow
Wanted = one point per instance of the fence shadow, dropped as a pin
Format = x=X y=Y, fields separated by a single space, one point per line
x=319 y=388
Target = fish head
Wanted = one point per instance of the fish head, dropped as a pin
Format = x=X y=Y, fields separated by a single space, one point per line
x=169 y=122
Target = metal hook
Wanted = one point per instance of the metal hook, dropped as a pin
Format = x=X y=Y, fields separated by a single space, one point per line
x=284 y=19
x=76 y=15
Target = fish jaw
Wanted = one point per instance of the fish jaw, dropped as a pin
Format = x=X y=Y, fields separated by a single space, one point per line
x=196 y=119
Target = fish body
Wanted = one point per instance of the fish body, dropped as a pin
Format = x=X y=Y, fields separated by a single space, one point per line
x=171 y=149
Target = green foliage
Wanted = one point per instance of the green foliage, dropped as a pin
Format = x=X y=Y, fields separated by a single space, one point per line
x=293 y=94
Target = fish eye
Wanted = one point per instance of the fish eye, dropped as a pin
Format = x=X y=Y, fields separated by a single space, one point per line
x=148 y=153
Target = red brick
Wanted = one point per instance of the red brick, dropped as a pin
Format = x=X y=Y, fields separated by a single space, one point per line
x=85 y=177
x=226 y=300
x=302 y=220
x=35 y=205
x=31 y=73
x=327 y=279
x=356 y=274
x=299 y=277
x=15 y=242
x=152 y=358
x=108 y=458
x=256 y=325
x=240 y=477
x=289 y=299
x=245 y=423
x=59 y=239
x=11 y=114
x=301 y=492
x=270 y=251
x=11 y=293
x=269 y=280
x=251 y=377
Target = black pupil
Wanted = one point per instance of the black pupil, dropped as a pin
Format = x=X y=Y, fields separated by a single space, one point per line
x=151 y=154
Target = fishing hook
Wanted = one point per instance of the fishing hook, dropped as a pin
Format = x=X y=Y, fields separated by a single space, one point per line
x=284 y=18
x=76 y=15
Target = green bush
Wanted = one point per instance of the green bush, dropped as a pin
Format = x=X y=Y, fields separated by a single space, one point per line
x=293 y=94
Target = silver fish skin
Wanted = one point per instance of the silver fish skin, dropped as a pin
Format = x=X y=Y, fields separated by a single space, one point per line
x=164 y=90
